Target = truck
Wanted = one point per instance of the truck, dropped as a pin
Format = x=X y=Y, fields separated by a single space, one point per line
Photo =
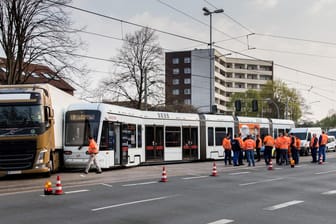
x=305 y=135
x=31 y=128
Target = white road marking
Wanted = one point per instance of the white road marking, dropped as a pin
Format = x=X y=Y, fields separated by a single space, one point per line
x=133 y=202
x=283 y=205
x=106 y=185
x=239 y=173
x=330 y=171
x=197 y=177
x=222 y=221
x=137 y=184
x=259 y=182
x=73 y=192
x=329 y=192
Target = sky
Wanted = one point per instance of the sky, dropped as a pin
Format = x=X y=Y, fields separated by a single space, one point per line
x=298 y=35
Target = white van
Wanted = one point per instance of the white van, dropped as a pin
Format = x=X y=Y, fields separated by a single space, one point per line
x=331 y=145
x=305 y=135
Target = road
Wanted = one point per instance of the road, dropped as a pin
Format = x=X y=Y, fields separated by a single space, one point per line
x=304 y=194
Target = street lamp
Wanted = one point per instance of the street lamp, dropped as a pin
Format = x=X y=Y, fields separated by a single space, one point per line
x=276 y=105
x=207 y=12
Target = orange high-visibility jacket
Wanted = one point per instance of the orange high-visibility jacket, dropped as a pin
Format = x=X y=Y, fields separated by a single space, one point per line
x=324 y=139
x=269 y=141
x=93 y=147
x=281 y=142
x=297 y=143
x=249 y=144
x=226 y=143
x=314 y=142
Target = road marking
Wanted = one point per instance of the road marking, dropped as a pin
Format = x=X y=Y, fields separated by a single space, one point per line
x=239 y=173
x=222 y=221
x=137 y=184
x=283 y=205
x=73 y=192
x=330 y=171
x=197 y=177
x=329 y=192
x=259 y=182
x=106 y=185
x=133 y=202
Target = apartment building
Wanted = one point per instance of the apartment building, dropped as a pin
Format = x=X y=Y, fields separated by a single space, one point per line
x=189 y=80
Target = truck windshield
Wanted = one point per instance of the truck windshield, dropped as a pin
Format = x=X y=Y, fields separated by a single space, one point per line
x=301 y=135
x=79 y=125
x=21 y=119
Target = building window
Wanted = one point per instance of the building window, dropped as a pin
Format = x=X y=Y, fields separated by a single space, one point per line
x=187 y=101
x=187 y=60
x=176 y=81
x=187 y=81
x=187 y=91
x=176 y=92
x=176 y=61
x=176 y=71
x=187 y=70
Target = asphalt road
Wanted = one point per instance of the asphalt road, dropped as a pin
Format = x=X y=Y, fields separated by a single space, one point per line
x=304 y=194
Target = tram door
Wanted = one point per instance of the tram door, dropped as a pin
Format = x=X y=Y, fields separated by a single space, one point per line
x=154 y=143
x=190 y=143
x=110 y=144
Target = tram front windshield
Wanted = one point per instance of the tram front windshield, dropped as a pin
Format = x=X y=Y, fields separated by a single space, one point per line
x=79 y=125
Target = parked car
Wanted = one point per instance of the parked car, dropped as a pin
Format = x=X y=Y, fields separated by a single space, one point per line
x=331 y=145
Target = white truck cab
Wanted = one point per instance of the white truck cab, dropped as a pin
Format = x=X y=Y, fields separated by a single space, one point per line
x=305 y=135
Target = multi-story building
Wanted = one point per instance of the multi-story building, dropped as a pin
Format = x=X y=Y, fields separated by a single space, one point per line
x=189 y=80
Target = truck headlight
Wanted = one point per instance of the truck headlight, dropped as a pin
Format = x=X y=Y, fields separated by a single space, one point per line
x=40 y=158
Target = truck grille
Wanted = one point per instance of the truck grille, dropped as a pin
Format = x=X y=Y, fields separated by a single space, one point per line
x=17 y=155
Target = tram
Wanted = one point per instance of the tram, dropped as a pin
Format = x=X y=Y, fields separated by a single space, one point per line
x=130 y=137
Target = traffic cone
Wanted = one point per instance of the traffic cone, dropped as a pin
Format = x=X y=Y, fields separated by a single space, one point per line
x=214 y=170
x=48 y=188
x=292 y=163
x=320 y=162
x=58 y=190
x=164 y=175
x=270 y=165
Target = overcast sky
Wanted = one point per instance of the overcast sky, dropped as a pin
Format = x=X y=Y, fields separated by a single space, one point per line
x=298 y=35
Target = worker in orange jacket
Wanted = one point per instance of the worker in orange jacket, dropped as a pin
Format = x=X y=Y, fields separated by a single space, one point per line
x=293 y=148
x=282 y=143
x=313 y=148
x=298 y=147
x=92 y=151
x=323 y=140
x=226 y=143
x=268 y=144
x=249 y=146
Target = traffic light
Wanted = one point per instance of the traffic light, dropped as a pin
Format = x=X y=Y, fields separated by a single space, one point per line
x=238 y=105
x=254 y=105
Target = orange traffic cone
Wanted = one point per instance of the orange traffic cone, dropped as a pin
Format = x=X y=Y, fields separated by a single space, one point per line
x=214 y=170
x=58 y=190
x=320 y=162
x=164 y=175
x=270 y=165
x=292 y=163
x=48 y=188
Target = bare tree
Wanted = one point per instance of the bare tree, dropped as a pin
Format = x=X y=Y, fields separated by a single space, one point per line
x=138 y=76
x=36 y=32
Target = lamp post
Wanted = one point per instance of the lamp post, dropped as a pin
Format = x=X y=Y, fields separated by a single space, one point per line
x=276 y=105
x=207 y=12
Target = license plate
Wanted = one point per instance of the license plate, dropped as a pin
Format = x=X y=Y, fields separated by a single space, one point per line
x=14 y=172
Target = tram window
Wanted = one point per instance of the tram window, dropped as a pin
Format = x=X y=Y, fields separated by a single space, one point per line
x=173 y=136
x=220 y=133
x=139 y=136
x=210 y=136
x=129 y=135
x=230 y=131
x=263 y=132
